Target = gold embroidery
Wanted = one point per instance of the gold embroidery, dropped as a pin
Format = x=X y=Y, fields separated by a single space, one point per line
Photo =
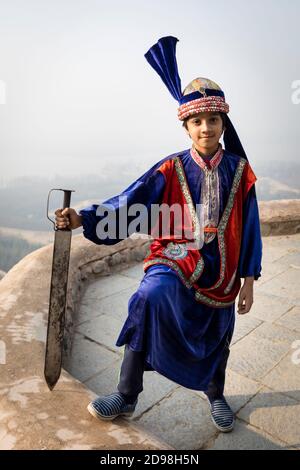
x=175 y=250
x=197 y=233
x=198 y=271
x=221 y=227
x=224 y=220
x=211 y=302
x=210 y=201
x=172 y=265
x=187 y=195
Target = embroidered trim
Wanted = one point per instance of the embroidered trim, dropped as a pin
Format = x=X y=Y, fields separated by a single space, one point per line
x=210 y=202
x=221 y=227
x=211 y=302
x=225 y=218
x=172 y=265
x=207 y=103
x=175 y=250
x=210 y=197
x=197 y=272
x=196 y=229
x=214 y=161
x=196 y=225
x=187 y=282
x=188 y=198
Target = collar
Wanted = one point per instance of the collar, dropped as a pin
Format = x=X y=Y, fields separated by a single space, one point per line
x=205 y=164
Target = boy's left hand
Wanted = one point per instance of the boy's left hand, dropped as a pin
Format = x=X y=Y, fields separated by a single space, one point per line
x=246 y=297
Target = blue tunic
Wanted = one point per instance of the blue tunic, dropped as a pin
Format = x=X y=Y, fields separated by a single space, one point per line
x=183 y=339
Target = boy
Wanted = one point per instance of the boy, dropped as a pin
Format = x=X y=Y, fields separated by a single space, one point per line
x=181 y=319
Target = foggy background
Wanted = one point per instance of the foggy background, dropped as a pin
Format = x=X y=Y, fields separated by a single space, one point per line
x=81 y=108
x=79 y=92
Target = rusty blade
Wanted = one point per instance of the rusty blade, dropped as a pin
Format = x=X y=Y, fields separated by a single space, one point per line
x=57 y=306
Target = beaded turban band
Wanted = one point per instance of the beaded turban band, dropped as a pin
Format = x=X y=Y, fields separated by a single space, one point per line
x=200 y=95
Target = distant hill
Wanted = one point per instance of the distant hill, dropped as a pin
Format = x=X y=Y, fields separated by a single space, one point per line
x=32 y=237
x=269 y=188
x=13 y=249
x=27 y=197
x=17 y=243
x=24 y=225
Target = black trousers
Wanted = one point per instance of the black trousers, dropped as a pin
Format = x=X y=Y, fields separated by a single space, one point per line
x=132 y=370
x=131 y=373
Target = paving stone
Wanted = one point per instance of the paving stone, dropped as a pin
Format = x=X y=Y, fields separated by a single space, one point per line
x=289 y=260
x=274 y=248
x=182 y=420
x=103 y=329
x=255 y=356
x=244 y=324
x=285 y=285
x=247 y=437
x=275 y=413
x=238 y=390
x=87 y=311
x=260 y=352
x=87 y=358
x=285 y=377
x=115 y=305
x=275 y=333
x=107 y=285
x=136 y=271
x=291 y=241
x=268 y=272
x=268 y=307
x=156 y=387
x=291 y=319
x=107 y=380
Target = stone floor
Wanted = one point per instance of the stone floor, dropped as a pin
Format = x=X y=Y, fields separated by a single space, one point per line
x=263 y=375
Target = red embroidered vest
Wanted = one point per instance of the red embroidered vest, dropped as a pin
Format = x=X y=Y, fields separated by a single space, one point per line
x=174 y=251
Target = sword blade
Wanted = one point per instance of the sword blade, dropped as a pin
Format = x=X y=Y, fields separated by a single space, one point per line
x=57 y=306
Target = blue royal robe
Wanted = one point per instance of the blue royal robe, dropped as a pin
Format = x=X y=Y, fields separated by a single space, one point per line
x=183 y=339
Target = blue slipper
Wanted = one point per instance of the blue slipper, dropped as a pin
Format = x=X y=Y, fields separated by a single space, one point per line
x=222 y=415
x=111 y=406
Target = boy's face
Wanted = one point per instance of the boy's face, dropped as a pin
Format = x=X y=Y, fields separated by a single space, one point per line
x=205 y=130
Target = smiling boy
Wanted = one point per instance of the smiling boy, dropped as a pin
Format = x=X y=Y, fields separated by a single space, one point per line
x=181 y=318
x=205 y=129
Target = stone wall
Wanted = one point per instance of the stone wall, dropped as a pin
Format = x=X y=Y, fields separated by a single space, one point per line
x=280 y=217
x=32 y=417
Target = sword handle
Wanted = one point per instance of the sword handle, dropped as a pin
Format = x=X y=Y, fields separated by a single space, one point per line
x=66 y=203
x=67 y=198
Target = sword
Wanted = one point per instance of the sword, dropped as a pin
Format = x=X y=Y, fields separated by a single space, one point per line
x=58 y=296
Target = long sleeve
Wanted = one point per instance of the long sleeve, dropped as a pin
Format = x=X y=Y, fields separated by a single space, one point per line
x=146 y=190
x=251 y=246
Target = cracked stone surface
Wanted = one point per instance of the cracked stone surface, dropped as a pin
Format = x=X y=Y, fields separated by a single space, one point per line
x=263 y=375
x=32 y=416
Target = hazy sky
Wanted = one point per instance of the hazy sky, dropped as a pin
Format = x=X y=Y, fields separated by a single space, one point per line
x=77 y=91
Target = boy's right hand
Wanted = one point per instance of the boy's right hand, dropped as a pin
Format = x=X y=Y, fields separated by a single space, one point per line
x=67 y=217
